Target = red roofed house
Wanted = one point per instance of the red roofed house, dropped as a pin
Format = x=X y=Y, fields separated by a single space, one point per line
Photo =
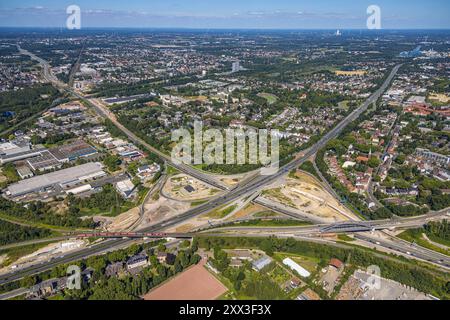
x=362 y=159
x=338 y=264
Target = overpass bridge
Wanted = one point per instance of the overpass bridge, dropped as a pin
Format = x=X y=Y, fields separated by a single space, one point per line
x=345 y=227
x=132 y=235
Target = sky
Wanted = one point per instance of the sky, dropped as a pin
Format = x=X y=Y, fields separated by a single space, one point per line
x=234 y=14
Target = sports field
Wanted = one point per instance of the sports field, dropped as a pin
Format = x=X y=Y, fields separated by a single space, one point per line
x=196 y=283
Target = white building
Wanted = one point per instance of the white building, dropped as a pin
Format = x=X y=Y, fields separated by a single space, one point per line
x=294 y=266
x=125 y=188
x=236 y=66
x=64 y=179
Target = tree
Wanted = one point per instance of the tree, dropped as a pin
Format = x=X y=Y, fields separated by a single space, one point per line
x=134 y=249
x=177 y=267
x=97 y=263
x=170 y=259
x=183 y=258
x=267 y=246
x=28 y=281
x=221 y=261
x=373 y=162
x=116 y=256
x=195 y=258
x=194 y=245
x=112 y=162
x=185 y=244
x=153 y=260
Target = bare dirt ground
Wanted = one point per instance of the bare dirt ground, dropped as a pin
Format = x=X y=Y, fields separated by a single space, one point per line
x=124 y=221
x=196 y=283
x=189 y=225
x=232 y=180
x=175 y=188
x=184 y=228
x=205 y=220
x=305 y=193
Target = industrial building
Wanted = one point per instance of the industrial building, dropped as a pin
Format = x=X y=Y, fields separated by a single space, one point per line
x=63 y=179
x=45 y=161
x=55 y=157
x=24 y=172
x=73 y=151
x=125 y=188
x=16 y=150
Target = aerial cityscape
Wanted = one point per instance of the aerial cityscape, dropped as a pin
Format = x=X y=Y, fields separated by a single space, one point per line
x=197 y=150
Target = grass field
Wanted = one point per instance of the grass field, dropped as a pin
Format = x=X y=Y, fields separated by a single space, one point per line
x=271 y=223
x=344 y=237
x=198 y=203
x=271 y=99
x=221 y=213
x=413 y=235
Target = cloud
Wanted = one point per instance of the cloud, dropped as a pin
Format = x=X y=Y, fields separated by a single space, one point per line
x=49 y=17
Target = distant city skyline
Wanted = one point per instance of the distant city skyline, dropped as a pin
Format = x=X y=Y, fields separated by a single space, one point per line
x=251 y=14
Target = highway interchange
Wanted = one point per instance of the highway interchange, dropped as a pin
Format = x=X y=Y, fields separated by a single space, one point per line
x=243 y=190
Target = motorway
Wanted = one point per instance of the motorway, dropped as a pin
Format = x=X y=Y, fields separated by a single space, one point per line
x=21 y=291
x=406 y=249
x=309 y=230
x=352 y=226
x=393 y=245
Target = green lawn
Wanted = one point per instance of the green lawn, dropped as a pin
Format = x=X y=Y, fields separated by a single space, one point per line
x=113 y=211
x=344 y=237
x=172 y=170
x=438 y=240
x=415 y=235
x=271 y=99
x=221 y=213
x=265 y=214
x=198 y=203
x=271 y=223
x=279 y=275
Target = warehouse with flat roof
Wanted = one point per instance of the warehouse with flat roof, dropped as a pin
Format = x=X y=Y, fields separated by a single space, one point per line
x=18 y=150
x=67 y=178
x=73 y=151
